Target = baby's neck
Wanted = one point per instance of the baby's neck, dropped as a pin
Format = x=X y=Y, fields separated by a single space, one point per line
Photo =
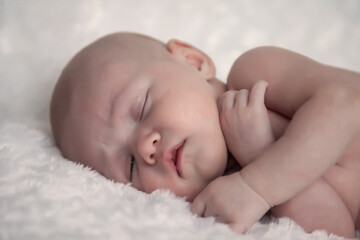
x=218 y=86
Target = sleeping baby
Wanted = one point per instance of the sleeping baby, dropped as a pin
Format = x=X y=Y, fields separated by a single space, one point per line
x=283 y=134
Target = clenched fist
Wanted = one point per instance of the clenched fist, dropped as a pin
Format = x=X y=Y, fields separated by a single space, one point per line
x=230 y=200
x=245 y=122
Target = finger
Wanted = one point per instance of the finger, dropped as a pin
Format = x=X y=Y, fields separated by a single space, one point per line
x=221 y=219
x=228 y=99
x=241 y=98
x=210 y=212
x=237 y=227
x=198 y=207
x=257 y=94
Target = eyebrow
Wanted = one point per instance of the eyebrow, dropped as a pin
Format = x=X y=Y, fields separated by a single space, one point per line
x=114 y=100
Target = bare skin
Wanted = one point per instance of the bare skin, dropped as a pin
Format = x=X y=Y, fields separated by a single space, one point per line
x=140 y=111
x=336 y=193
x=126 y=104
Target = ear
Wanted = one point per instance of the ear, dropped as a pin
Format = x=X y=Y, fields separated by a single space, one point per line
x=186 y=53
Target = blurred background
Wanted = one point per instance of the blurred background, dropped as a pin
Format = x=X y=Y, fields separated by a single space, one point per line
x=38 y=37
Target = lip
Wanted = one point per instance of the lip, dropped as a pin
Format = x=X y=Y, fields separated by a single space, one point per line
x=176 y=157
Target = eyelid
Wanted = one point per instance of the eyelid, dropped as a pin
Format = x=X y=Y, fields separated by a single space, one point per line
x=143 y=110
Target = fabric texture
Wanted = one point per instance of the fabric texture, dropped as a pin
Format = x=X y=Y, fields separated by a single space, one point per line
x=44 y=196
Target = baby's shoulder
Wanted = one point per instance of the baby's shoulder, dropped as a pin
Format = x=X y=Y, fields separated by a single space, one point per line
x=272 y=64
x=292 y=77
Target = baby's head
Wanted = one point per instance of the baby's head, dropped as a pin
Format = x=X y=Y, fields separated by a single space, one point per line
x=141 y=111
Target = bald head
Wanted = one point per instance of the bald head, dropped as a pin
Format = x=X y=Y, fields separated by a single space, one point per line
x=86 y=68
x=128 y=98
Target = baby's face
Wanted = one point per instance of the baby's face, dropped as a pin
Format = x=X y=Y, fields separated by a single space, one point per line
x=155 y=125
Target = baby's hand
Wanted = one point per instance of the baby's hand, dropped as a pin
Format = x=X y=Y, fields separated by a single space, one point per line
x=230 y=200
x=245 y=122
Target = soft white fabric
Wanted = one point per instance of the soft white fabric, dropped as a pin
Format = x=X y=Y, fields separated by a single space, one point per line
x=44 y=196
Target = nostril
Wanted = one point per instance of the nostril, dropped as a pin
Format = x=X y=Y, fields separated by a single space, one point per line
x=154 y=142
x=151 y=156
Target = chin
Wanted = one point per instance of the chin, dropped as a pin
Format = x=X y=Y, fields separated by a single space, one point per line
x=191 y=195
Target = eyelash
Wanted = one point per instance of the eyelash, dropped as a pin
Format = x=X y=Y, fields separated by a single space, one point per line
x=143 y=108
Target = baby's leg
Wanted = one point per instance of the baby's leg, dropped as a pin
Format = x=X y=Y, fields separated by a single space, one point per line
x=318 y=207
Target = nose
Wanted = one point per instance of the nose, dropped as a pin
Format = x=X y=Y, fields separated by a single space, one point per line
x=147 y=147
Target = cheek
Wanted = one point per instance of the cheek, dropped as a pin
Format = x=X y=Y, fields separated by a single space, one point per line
x=187 y=109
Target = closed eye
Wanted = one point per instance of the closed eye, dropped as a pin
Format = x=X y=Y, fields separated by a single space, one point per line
x=143 y=107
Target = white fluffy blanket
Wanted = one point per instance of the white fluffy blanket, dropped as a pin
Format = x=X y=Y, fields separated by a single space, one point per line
x=44 y=196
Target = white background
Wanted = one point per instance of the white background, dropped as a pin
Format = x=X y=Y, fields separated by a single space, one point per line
x=38 y=37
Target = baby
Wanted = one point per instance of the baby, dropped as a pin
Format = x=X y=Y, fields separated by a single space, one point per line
x=154 y=115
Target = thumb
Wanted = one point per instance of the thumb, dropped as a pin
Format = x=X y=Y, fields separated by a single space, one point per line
x=257 y=94
x=237 y=227
x=198 y=207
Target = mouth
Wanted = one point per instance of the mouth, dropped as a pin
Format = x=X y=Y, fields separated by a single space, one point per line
x=177 y=157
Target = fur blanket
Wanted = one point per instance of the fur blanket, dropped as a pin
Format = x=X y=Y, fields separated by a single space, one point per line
x=44 y=196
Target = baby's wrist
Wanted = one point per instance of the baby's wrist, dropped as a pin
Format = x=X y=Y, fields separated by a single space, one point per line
x=256 y=185
x=258 y=197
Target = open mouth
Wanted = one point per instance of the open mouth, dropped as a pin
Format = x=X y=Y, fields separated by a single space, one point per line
x=177 y=157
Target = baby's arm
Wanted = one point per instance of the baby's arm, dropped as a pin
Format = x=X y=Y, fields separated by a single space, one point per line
x=324 y=105
x=247 y=131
